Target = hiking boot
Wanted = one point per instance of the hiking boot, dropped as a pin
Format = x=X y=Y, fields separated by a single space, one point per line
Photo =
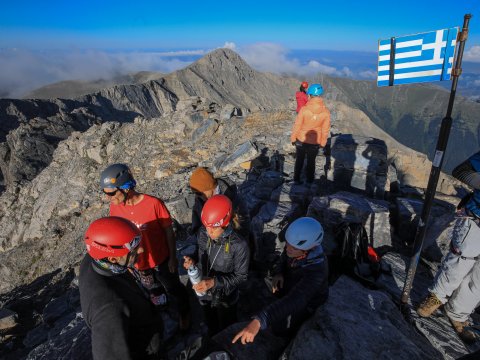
x=465 y=331
x=429 y=305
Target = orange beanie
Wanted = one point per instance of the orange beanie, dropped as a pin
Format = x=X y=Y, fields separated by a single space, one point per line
x=202 y=180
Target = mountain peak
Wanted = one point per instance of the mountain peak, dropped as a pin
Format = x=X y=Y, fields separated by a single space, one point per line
x=222 y=60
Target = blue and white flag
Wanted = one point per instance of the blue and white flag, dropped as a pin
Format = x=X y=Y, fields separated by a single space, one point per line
x=416 y=58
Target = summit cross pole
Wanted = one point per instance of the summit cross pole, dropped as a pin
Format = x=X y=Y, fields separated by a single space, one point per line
x=436 y=167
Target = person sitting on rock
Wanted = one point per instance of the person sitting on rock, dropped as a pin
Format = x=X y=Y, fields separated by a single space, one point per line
x=204 y=186
x=302 y=278
x=158 y=264
x=310 y=132
x=123 y=321
x=457 y=282
x=223 y=259
x=301 y=96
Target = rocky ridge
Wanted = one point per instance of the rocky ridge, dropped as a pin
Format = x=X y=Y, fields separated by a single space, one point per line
x=367 y=177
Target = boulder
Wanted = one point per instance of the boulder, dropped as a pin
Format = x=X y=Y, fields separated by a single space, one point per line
x=205 y=131
x=343 y=206
x=228 y=111
x=407 y=213
x=358 y=323
x=359 y=162
x=8 y=319
x=268 y=223
x=266 y=346
x=244 y=152
x=437 y=328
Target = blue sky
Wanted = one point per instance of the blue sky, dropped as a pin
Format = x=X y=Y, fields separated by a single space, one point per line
x=334 y=25
x=42 y=42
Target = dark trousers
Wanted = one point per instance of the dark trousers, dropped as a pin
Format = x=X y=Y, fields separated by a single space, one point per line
x=219 y=317
x=311 y=152
x=160 y=279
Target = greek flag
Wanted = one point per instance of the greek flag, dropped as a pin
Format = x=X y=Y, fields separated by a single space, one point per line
x=416 y=58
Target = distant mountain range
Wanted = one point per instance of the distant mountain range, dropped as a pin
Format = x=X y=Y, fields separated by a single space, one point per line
x=411 y=114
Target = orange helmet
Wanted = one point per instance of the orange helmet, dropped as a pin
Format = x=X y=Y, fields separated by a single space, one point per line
x=217 y=211
x=305 y=85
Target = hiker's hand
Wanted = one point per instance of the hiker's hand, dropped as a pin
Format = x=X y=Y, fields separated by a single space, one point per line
x=204 y=285
x=173 y=264
x=187 y=262
x=277 y=283
x=247 y=335
x=293 y=143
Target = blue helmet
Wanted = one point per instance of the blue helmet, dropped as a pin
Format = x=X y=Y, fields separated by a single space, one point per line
x=315 y=90
x=304 y=233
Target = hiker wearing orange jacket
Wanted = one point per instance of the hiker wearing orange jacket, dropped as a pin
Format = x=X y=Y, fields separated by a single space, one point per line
x=310 y=132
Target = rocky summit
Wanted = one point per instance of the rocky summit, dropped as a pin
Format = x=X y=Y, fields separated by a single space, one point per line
x=221 y=114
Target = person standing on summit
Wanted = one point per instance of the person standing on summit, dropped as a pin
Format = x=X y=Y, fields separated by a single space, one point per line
x=158 y=264
x=301 y=96
x=457 y=283
x=310 y=132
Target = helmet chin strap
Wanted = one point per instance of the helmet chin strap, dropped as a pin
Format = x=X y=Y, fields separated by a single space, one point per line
x=116 y=268
x=125 y=195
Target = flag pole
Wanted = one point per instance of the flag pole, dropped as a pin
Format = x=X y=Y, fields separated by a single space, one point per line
x=436 y=167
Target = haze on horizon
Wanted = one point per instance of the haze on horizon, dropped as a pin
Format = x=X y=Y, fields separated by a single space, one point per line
x=42 y=43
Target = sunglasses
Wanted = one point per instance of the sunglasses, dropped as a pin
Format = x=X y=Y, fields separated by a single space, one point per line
x=132 y=245
x=110 y=193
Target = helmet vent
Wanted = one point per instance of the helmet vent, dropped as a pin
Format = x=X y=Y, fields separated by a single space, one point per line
x=301 y=242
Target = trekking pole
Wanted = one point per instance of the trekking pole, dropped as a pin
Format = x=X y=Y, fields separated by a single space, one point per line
x=436 y=167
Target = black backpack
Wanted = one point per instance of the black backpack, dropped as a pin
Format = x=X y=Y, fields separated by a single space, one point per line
x=352 y=242
x=351 y=255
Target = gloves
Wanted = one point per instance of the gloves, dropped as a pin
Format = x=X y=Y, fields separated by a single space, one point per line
x=293 y=143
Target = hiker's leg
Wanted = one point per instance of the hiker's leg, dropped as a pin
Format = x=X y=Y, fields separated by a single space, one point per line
x=312 y=152
x=454 y=269
x=465 y=299
x=299 y=159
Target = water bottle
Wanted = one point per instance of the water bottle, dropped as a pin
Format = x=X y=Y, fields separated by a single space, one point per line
x=195 y=276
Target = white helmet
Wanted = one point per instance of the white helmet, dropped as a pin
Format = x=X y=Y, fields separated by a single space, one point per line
x=304 y=233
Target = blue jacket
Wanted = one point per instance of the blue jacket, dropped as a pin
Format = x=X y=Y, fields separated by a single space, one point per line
x=469 y=173
x=305 y=285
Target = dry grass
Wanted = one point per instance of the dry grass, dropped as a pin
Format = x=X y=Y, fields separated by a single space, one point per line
x=268 y=118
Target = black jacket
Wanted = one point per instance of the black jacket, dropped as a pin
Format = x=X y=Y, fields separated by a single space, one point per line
x=239 y=207
x=226 y=260
x=123 y=321
x=305 y=288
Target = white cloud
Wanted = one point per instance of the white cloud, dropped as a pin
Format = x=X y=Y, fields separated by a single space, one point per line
x=317 y=67
x=274 y=58
x=229 y=45
x=368 y=74
x=23 y=70
x=472 y=54
x=476 y=82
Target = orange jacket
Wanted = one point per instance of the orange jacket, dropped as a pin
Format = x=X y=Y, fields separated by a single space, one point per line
x=312 y=125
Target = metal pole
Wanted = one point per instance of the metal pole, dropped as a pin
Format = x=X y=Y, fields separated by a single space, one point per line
x=436 y=167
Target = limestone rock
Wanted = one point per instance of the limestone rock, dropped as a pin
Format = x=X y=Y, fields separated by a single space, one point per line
x=245 y=152
x=8 y=319
x=359 y=323
x=333 y=209
x=359 y=162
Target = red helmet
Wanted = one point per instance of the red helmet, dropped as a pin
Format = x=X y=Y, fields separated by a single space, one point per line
x=217 y=211
x=111 y=236
x=305 y=85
